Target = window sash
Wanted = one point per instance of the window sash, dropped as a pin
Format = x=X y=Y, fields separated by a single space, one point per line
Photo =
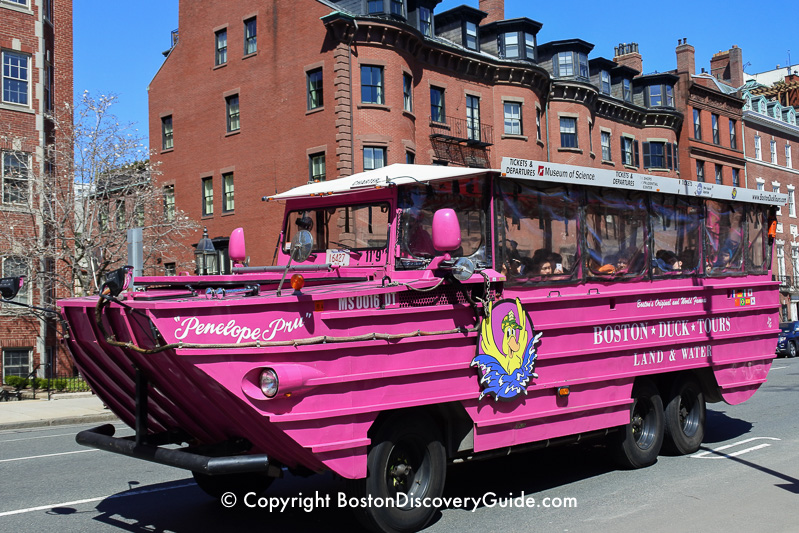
x=471 y=35
x=718 y=175
x=169 y=203
x=233 y=118
x=397 y=8
x=16 y=73
x=626 y=91
x=315 y=92
x=715 y=125
x=250 y=36
x=221 y=47
x=697 y=125
x=16 y=362
x=511 y=45
x=733 y=140
x=700 y=171
x=605 y=141
x=529 y=45
x=208 y=196
x=774 y=152
x=568 y=132
x=513 y=118
x=437 y=108
x=16 y=177
x=374 y=6
x=604 y=84
x=758 y=154
x=166 y=133
x=655 y=95
x=316 y=169
x=372 y=85
x=425 y=21
x=565 y=64
x=473 y=117
x=228 y=203
x=373 y=157
x=407 y=93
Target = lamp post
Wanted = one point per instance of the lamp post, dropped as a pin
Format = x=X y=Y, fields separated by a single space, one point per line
x=205 y=255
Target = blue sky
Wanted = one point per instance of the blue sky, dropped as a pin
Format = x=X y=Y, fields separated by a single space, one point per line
x=123 y=56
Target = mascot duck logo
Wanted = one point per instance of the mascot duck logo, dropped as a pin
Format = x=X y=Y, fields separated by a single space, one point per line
x=506 y=351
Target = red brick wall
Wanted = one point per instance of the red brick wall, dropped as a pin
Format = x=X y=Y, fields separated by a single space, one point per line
x=18 y=329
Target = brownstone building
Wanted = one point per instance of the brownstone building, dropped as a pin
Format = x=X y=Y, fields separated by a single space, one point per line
x=257 y=97
x=36 y=48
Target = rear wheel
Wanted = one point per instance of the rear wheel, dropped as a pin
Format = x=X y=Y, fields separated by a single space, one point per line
x=685 y=416
x=407 y=464
x=640 y=440
x=238 y=484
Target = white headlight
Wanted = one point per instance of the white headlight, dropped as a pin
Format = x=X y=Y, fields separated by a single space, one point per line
x=269 y=382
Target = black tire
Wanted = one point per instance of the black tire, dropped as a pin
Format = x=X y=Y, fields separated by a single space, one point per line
x=685 y=417
x=238 y=484
x=791 y=349
x=639 y=442
x=407 y=457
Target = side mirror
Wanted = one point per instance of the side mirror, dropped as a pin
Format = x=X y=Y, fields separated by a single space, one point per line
x=301 y=246
x=236 y=249
x=446 y=230
x=9 y=287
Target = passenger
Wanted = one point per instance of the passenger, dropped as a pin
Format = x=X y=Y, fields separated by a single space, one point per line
x=622 y=265
x=688 y=259
x=419 y=242
x=667 y=261
x=557 y=263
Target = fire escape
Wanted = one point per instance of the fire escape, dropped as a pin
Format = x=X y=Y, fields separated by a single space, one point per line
x=462 y=141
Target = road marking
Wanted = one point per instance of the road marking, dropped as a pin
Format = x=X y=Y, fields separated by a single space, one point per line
x=122 y=426
x=714 y=454
x=778 y=367
x=91 y=500
x=45 y=455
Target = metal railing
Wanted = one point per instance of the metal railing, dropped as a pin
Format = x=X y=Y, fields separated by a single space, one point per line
x=463 y=130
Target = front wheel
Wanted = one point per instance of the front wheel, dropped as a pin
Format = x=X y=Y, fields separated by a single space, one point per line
x=791 y=349
x=685 y=416
x=406 y=466
x=640 y=440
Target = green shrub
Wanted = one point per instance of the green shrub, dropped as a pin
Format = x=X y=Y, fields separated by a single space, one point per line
x=16 y=381
x=58 y=384
x=40 y=383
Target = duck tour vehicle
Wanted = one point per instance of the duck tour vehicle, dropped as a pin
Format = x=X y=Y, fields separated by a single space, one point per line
x=424 y=315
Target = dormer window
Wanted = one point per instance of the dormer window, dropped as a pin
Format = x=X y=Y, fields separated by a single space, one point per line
x=604 y=82
x=397 y=8
x=374 y=7
x=565 y=64
x=517 y=45
x=660 y=96
x=470 y=35
x=425 y=21
x=627 y=93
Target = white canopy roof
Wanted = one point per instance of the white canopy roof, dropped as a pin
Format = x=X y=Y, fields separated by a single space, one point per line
x=397 y=174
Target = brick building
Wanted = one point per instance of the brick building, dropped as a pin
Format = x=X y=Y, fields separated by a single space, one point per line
x=235 y=116
x=771 y=138
x=710 y=145
x=36 y=47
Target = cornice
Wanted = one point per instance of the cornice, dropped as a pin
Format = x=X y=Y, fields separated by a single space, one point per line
x=770 y=122
x=437 y=53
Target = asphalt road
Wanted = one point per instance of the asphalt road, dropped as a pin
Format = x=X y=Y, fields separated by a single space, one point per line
x=745 y=478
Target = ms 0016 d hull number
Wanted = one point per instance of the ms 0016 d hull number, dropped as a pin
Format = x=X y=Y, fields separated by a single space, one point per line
x=368 y=301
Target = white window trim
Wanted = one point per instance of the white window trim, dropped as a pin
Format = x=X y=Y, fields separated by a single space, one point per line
x=791 y=201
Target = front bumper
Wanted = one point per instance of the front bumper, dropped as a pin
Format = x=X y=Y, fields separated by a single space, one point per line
x=102 y=438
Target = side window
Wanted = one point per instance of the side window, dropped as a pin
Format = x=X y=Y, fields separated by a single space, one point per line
x=538 y=231
x=615 y=236
x=419 y=202
x=675 y=224
x=758 y=256
x=724 y=233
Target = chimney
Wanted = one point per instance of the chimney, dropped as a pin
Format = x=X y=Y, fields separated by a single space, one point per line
x=686 y=61
x=495 y=10
x=736 y=66
x=627 y=55
x=720 y=66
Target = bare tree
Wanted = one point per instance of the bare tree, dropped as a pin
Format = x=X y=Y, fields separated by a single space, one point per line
x=70 y=204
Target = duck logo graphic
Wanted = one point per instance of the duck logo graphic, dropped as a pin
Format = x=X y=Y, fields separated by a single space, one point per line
x=506 y=351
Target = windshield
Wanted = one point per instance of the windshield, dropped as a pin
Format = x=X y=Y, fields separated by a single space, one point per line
x=418 y=203
x=356 y=227
x=786 y=327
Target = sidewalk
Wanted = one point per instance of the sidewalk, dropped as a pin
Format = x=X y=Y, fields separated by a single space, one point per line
x=74 y=408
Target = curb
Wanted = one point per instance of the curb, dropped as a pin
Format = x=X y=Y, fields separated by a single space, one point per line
x=85 y=419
